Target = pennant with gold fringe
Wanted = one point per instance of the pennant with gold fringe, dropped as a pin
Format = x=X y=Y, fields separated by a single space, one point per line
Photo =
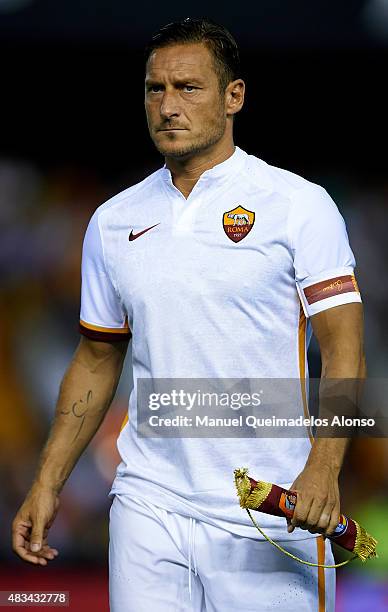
x=272 y=499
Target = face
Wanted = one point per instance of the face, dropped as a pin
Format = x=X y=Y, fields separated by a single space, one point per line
x=186 y=111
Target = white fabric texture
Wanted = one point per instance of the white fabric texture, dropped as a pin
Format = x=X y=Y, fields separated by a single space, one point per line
x=320 y=245
x=100 y=304
x=150 y=553
x=202 y=306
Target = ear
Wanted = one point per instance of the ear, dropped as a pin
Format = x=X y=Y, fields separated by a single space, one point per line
x=234 y=96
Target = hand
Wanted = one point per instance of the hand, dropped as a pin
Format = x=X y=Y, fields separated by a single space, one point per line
x=318 y=504
x=31 y=524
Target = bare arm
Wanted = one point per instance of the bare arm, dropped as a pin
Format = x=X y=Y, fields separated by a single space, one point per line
x=85 y=395
x=340 y=335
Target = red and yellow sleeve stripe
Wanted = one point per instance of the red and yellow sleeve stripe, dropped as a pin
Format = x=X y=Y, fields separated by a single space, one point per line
x=105 y=334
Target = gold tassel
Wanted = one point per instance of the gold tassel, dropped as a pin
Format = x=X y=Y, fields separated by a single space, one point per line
x=250 y=499
x=365 y=546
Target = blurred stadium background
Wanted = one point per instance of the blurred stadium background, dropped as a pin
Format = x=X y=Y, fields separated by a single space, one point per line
x=73 y=133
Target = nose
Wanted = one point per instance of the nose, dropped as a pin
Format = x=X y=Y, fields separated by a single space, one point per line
x=169 y=106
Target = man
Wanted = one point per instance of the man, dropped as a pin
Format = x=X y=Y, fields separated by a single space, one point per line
x=214 y=242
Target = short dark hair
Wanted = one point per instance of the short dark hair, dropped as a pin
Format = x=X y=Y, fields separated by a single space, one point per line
x=217 y=38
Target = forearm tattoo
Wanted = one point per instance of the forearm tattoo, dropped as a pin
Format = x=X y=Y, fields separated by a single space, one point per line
x=79 y=409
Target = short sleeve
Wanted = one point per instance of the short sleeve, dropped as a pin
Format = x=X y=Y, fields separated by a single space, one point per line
x=102 y=315
x=323 y=260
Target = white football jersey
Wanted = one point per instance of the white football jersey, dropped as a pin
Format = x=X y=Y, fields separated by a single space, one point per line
x=218 y=285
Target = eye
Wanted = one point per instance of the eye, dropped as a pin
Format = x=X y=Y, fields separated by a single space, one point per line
x=155 y=88
x=189 y=88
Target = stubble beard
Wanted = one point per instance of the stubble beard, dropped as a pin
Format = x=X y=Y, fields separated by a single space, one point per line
x=205 y=140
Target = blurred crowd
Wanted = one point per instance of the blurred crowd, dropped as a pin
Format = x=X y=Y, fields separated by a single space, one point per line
x=43 y=216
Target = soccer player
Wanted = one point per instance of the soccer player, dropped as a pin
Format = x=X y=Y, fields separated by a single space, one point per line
x=217 y=265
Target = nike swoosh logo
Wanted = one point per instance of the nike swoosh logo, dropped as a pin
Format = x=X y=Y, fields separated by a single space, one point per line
x=133 y=236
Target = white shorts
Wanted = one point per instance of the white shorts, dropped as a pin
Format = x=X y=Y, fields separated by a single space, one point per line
x=161 y=561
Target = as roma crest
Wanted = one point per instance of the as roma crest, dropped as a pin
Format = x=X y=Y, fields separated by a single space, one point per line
x=238 y=223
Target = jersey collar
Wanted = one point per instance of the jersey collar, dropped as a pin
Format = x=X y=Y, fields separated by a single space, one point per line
x=232 y=165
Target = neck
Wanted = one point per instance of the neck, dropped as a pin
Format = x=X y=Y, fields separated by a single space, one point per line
x=186 y=172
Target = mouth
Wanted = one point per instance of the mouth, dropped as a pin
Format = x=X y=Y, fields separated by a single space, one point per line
x=172 y=130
